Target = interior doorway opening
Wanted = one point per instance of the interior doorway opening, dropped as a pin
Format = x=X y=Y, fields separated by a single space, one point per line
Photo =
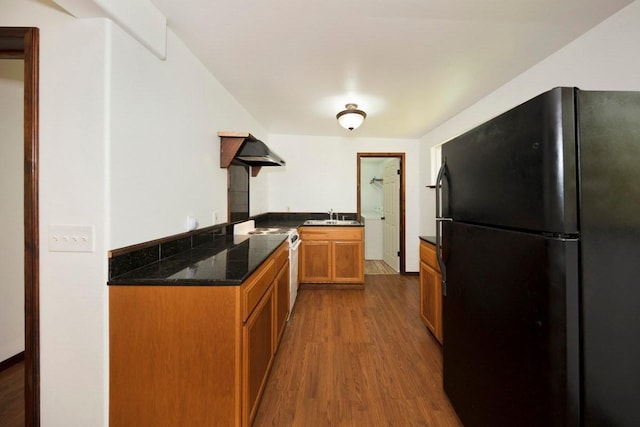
x=381 y=206
x=23 y=44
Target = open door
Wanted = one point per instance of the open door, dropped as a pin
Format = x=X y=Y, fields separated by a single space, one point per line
x=391 y=214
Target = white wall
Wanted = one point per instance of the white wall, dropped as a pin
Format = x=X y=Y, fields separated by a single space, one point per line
x=71 y=175
x=604 y=58
x=128 y=144
x=73 y=320
x=371 y=194
x=11 y=209
x=427 y=195
x=321 y=174
x=165 y=152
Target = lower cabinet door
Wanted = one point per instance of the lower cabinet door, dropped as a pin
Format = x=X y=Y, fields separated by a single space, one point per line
x=348 y=262
x=431 y=299
x=315 y=261
x=282 y=301
x=257 y=357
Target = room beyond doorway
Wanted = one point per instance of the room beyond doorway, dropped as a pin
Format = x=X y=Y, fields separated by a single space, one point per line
x=384 y=203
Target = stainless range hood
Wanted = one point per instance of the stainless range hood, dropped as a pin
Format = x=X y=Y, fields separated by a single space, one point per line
x=256 y=152
x=247 y=149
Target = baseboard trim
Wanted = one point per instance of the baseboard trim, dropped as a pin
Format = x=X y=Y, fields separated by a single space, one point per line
x=6 y=364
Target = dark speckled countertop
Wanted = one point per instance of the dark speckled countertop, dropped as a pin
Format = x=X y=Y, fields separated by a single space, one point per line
x=212 y=257
x=226 y=260
x=430 y=239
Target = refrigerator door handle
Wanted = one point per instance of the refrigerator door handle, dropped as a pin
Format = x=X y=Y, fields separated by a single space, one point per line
x=439 y=220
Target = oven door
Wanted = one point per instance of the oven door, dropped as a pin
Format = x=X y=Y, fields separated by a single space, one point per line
x=293 y=270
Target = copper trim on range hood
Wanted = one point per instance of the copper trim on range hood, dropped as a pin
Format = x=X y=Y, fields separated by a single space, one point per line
x=248 y=149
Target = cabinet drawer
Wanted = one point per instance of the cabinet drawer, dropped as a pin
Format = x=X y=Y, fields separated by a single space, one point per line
x=330 y=233
x=428 y=255
x=256 y=286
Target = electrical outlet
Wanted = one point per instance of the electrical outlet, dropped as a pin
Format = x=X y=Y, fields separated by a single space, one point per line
x=192 y=223
x=71 y=238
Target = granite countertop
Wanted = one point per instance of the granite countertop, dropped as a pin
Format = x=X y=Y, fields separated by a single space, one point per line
x=296 y=224
x=430 y=239
x=208 y=258
x=226 y=260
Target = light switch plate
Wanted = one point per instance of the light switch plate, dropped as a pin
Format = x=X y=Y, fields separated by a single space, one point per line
x=71 y=238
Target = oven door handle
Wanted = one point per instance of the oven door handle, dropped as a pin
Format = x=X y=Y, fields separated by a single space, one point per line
x=294 y=246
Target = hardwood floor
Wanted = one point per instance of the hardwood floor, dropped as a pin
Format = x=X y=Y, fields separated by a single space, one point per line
x=12 y=396
x=377 y=266
x=347 y=358
x=357 y=358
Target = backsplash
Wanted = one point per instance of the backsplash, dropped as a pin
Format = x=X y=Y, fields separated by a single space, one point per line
x=132 y=257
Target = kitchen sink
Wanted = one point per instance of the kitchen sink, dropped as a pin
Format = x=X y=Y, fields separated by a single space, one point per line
x=331 y=222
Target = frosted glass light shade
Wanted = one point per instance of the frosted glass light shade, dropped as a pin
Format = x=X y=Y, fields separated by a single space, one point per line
x=351 y=118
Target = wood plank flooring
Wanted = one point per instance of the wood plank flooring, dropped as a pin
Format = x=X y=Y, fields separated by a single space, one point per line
x=377 y=266
x=347 y=358
x=357 y=358
x=12 y=396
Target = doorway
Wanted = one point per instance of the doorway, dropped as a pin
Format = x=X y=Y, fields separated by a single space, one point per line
x=381 y=203
x=22 y=44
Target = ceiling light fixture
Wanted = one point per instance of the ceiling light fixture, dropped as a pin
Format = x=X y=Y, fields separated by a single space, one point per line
x=351 y=118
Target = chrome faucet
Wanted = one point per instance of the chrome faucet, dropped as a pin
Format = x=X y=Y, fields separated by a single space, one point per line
x=331 y=214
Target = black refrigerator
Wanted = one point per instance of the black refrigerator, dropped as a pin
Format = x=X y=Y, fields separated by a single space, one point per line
x=539 y=237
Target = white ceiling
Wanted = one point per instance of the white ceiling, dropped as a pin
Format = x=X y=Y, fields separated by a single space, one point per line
x=410 y=64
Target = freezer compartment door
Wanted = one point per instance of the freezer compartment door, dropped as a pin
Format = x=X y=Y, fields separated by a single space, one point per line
x=510 y=323
x=517 y=170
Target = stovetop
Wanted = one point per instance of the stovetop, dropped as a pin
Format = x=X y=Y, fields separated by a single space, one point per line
x=249 y=227
x=260 y=230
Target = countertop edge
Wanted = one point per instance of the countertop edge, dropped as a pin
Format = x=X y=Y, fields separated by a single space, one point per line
x=428 y=239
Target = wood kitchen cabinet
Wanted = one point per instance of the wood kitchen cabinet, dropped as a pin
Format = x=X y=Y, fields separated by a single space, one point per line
x=258 y=350
x=430 y=290
x=281 y=293
x=347 y=261
x=314 y=260
x=195 y=355
x=333 y=255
